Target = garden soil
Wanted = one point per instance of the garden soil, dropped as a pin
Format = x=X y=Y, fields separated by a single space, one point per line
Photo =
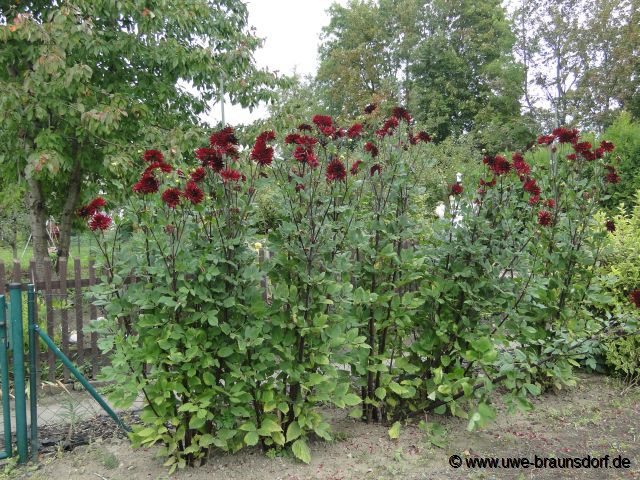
x=594 y=418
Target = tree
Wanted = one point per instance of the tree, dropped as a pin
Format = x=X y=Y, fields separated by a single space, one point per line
x=465 y=71
x=580 y=59
x=88 y=84
x=357 y=64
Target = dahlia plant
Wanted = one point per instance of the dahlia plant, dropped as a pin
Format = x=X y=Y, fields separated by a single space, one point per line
x=188 y=331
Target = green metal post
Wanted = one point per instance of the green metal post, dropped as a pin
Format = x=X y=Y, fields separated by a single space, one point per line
x=18 y=371
x=33 y=370
x=4 y=366
x=83 y=381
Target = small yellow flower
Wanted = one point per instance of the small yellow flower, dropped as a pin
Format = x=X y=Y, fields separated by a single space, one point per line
x=257 y=246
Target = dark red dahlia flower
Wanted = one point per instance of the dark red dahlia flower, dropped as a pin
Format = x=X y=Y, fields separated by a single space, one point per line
x=455 y=189
x=355 y=167
x=336 y=170
x=572 y=156
x=520 y=165
x=198 y=174
x=299 y=186
x=304 y=127
x=165 y=167
x=634 y=296
x=402 y=113
x=534 y=200
x=551 y=203
x=488 y=183
x=375 y=169
x=580 y=147
x=500 y=165
x=371 y=148
x=99 y=221
x=423 y=137
x=607 y=146
x=229 y=174
x=147 y=184
x=193 y=193
x=322 y=121
x=85 y=212
x=545 y=139
x=566 y=135
x=369 y=109
x=210 y=157
x=612 y=176
x=292 y=138
x=261 y=153
x=531 y=186
x=328 y=131
x=153 y=156
x=354 y=131
x=387 y=129
x=223 y=138
x=611 y=226
x=544 y=218
x=171 y=196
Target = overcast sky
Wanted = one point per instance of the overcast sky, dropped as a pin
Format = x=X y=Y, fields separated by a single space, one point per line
x=291 y=29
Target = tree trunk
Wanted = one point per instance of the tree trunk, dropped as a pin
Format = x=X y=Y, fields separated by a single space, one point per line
x=37 y=223
x=69 y=209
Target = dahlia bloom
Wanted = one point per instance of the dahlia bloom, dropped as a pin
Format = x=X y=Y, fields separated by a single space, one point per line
x=147 y=184
x=566 y=135
x=193 y=193
x=610 y=225
x=455 y=189
x=336 y=170
x=544 y=218
x=198 y=174
x=634 y=296
x=355 y=167
x=261 y=153
x=369 y=109
x=607 y=146
x=153 y=156
x=229 y=174
x=99 y=221
x=354 y=131
x=171 y=196
x=371 y=148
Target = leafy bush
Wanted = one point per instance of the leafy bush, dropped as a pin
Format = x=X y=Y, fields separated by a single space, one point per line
x=370 y=303
x=625 y=134
x=623 y=355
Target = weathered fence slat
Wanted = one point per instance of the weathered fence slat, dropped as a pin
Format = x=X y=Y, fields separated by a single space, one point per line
x=78 y=301
x=64 y=312
x=93 y=314
x=17 y=272
x=50 y=327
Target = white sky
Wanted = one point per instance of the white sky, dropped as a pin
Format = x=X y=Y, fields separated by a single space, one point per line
x=291 y=31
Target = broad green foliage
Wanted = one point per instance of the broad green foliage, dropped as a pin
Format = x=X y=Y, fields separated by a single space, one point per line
x=625 y=133
x=621 y=260
x=365 y=301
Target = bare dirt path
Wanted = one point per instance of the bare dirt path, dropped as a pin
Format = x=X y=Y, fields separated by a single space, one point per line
x=592 y=419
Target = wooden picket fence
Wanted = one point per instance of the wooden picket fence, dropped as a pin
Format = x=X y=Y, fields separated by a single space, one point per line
x=66 y=309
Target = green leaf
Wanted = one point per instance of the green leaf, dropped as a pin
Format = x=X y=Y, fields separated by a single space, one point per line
x=351 y=399
x=251 y=438
x=394 y=431
x=301 y=450
x=293 y=431
x=381 y=392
